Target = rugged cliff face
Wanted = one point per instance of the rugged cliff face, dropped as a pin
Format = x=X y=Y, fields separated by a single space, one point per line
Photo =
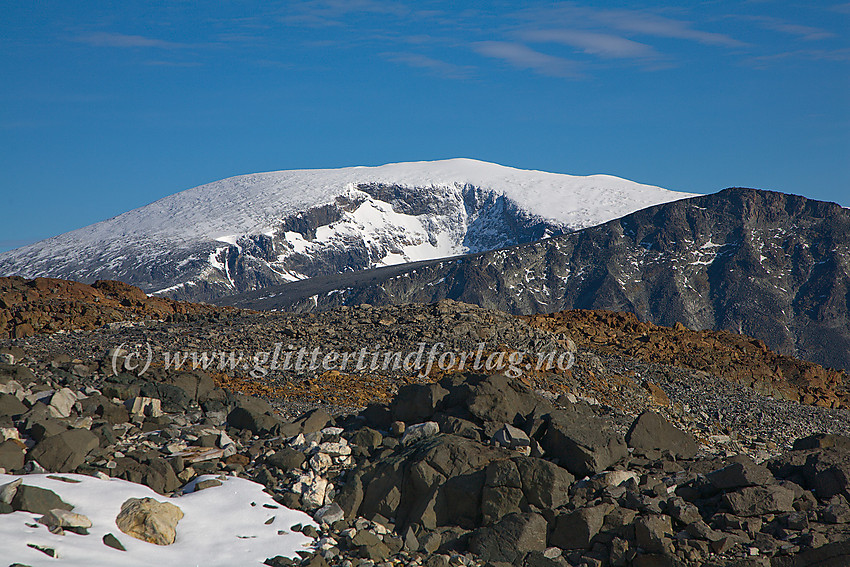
x=765 y=264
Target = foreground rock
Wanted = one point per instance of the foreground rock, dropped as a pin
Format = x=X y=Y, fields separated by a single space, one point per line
x=149 y=520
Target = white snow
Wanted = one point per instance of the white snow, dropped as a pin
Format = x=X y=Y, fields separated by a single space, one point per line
x=196 y=223
x=250 y=204
x=220 y=527
x=299 y=244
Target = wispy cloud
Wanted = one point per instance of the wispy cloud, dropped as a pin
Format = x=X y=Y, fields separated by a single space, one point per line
x=159 y=63
x=523 y=57
x=840 y=55
x=600 y=44
x=110 y=39
x=807 y=33
x=435 y=66
x=323 y=13
x=660 y=26
x=636 y=22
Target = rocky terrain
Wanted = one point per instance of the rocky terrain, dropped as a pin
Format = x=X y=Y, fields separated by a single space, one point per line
x=735 y=357
x=645 y=451
x=45 y=305
x=768 y=265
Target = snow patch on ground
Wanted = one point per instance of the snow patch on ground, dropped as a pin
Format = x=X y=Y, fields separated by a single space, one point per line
x=220 y=527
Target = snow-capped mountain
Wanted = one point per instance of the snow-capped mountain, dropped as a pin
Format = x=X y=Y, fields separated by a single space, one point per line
x=251 y=231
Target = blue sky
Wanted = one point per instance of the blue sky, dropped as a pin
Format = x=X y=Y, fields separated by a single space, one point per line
x=107 y=106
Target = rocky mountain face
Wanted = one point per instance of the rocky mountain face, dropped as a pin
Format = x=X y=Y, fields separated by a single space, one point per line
x=253 y=231
x=769 y=265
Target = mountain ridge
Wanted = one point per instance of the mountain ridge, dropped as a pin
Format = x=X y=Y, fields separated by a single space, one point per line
x=761 y=263
x=250 y=231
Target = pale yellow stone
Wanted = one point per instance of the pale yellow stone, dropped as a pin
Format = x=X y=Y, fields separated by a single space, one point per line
x=149 y=520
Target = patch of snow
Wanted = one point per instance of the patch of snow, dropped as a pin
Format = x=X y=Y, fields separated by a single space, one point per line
x=299 y=244
x=220 y=527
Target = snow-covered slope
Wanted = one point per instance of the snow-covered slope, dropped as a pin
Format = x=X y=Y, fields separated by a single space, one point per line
x=250 y=231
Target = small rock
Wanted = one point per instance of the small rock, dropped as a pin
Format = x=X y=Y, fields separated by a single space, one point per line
x=650 y=431
x=112 y=541
x=759 y=500
x=12 y=454
x=420 y=431
x=329 y=514
x=741 y=473
x=511 y=437
x=320 y=462
x=7 y=433
x=286 y=459
x=335 y=449
x=141 y=407
x=575 y=530
x=37 y=500
x=11 y=406
x=204 y=484
x=64 y=519
x=8 y=490
x=616 y=478
x=583 y=443
x=653 y=533
x=66 y=451
x=62 y=402
x=511 y=538
x=397 y=428
x=313 y=494
x=49 y=551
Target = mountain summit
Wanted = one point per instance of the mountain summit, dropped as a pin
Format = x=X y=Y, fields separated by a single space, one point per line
x=248 y=232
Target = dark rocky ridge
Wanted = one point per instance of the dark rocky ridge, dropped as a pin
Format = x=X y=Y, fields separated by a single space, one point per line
x=769 y=265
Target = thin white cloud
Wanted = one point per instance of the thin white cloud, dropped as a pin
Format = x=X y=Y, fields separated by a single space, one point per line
x=600 y=44
x=839 y=55
x=638 y=22
x=659 y=26
x=160 y=63
x=807 y=33
x=523 y=57
x=435 y=66
x=109 y=39
x=323 y=13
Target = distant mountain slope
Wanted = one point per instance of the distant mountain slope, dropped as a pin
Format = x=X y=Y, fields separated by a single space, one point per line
x=252 y=231
x=768 y=265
